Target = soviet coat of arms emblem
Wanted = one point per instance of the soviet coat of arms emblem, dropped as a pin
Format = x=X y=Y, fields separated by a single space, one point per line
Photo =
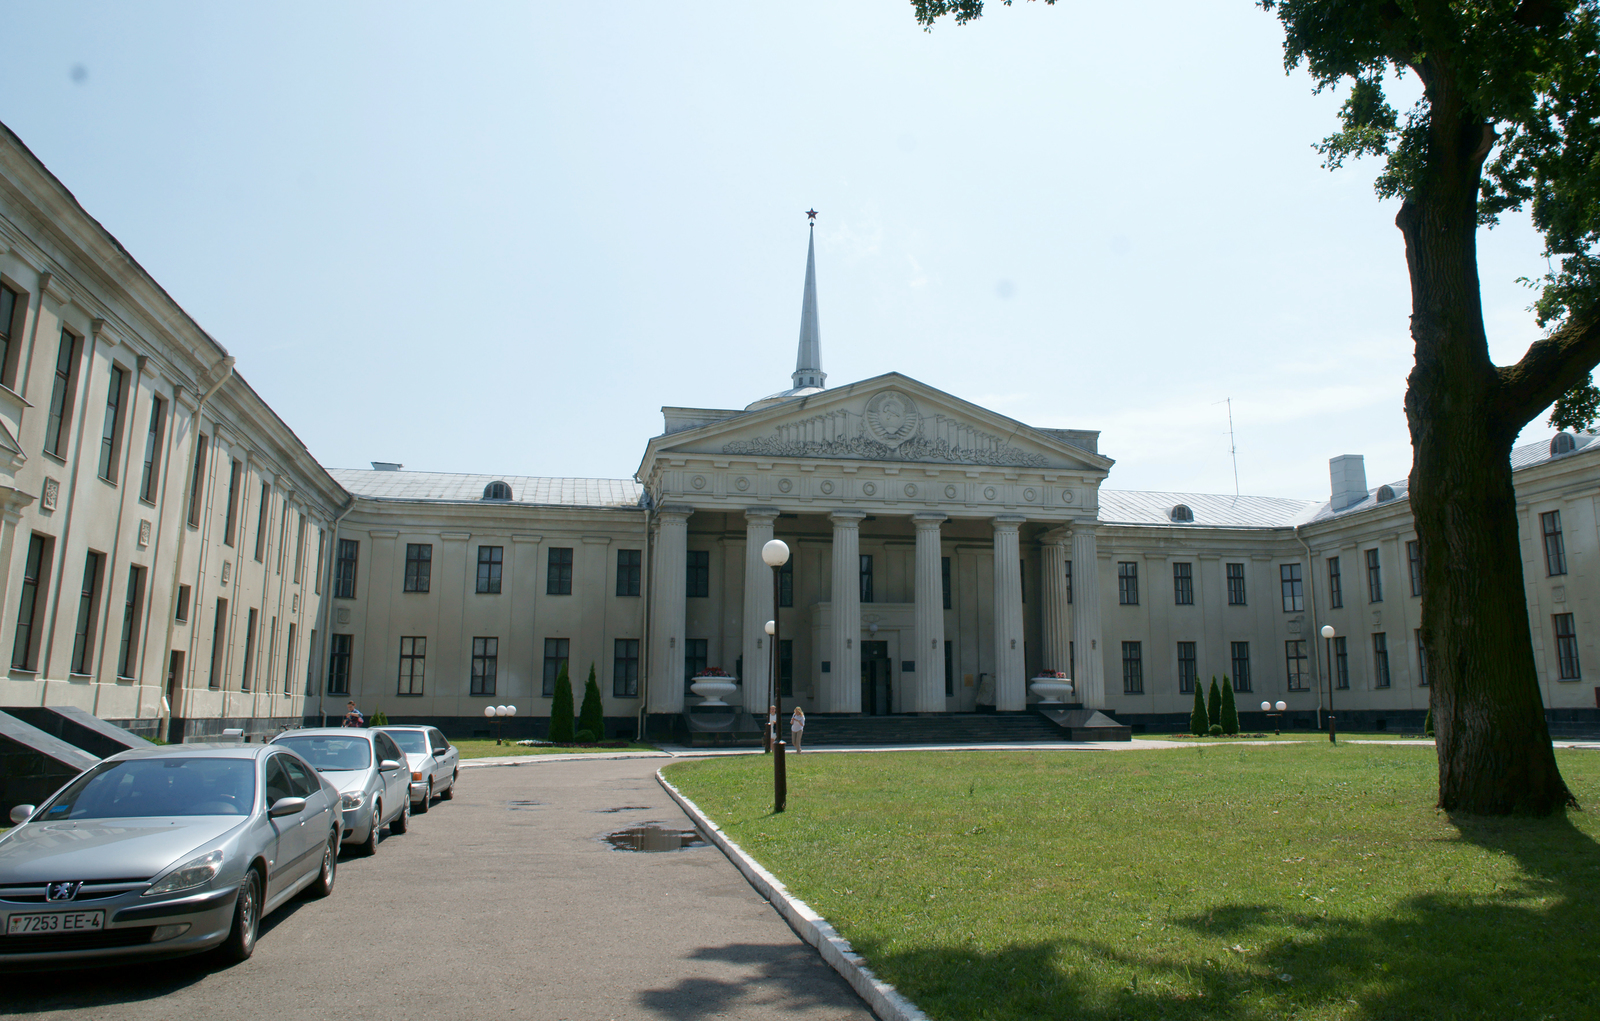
x=892 y=418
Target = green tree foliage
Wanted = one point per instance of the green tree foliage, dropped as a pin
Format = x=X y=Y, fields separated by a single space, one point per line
x=1199 y=722
x=1230 y=711
x=592 y=716
x=561 y=731
x=379 y=719
x=1427 y=724
x=1214 y=703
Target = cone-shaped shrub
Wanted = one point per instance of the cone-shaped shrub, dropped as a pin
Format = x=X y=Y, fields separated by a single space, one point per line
x=1214 y=703
x=1199 y=723
x=1230 y=712
x=592 y=716
x=561 y=709
x=1427 y=724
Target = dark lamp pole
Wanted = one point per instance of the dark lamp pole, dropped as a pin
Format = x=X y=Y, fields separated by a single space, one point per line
x=1327 y=645
x=775 y=554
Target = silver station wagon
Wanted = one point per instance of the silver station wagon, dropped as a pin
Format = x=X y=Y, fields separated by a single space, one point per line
x=160 y=852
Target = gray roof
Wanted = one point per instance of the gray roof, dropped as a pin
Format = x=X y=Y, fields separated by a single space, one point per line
x=450 y=487
x=1538 y=453
x=1125 y=507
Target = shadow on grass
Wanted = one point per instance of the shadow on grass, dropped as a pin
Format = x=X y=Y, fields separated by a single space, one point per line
x=1523 y=952
x=787 y=977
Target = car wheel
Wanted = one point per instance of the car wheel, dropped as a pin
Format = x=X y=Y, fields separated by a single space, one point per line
x=241 y=941
x=450 y=791
x=330 y=867
x=421 y=807
x=399 y=823
x=369 y=846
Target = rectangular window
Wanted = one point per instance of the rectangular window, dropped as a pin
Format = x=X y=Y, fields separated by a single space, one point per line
x=88 y=610
x=61 y=391
x=1422 y=660
x=344 y=569
x=1566 y=647
x=132 y=603
x=1299 y=665
x=1241 y=666
x=419 y=566
x=629 y=567
x=316 y=582
x=22 y=646
x=1236 y=585
x=1188 y=668
x=1294 y=599
x=1380 y=660
x=555 y=657
x=1335 y=586
x=949 y=669
x=1374 y=577
x=697 y=574
x=182 y=613
x=1022 y=580
x=1341 y=664
x=413 y=664
x=111 y=430
x=944 y=579
x=1183 y=585
x=1068 y=566
x=289 y=651
x=558 y=572
x=10 y=301
x=263 y=516
x=1555 y=551
x=786 y=584
x=491 y=559
x=150 y=477
x=625 y=668
x=283 y=535
x=219 y=644
x=866 y=577
x=485 y=665
x=197 y=480
x=247 y=678
x=786 y=667
x=312 y=646
x=235 y=470
x=300 y=550
x=270 y=650
x=694 y=659
x=1128 y=583
x=1132 y=669
x=339 y=664
x=1414 y=560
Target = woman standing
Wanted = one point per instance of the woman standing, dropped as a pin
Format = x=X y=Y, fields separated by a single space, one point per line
x=797 y=724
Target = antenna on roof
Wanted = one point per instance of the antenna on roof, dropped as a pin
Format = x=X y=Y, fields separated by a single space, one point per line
x=1233 y=448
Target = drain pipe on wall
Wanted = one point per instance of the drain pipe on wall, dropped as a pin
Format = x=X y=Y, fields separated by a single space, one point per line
x=644 y=653
x=326 y=608
x=183 y=534
x=1311 y=581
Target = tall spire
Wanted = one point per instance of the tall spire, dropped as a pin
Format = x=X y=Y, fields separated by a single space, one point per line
x=808 y=363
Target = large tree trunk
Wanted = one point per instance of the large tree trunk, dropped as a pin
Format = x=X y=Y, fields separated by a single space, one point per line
x=1494 y=747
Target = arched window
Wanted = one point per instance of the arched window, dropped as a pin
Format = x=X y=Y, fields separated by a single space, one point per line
x=1181 y=513
x=497 y=491
x=1385 y=494
x=1563 y=443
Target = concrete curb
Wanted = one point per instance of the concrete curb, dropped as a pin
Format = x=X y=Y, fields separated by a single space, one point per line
x=529 y=760
x=884 y=1000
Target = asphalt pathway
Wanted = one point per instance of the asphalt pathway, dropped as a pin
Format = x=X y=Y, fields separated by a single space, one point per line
x=503 y=903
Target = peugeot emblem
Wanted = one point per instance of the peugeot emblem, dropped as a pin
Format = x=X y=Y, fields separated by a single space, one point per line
x=61 y=891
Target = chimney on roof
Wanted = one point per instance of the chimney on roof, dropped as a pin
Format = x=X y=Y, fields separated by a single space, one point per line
x=386 y=466
x=1348 y=473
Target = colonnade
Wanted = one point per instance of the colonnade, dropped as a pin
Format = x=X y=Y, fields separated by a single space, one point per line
x=1070 y=609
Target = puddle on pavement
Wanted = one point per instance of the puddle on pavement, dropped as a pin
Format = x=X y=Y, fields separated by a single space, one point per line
x=623 y=808
x=516 y=806
x=653 y=838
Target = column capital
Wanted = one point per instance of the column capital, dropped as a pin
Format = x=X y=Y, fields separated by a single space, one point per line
x=847 y=518
x=1008 y=522
x=674 y=510
x=1058 y=536
x=929 y=519
x=760 y=514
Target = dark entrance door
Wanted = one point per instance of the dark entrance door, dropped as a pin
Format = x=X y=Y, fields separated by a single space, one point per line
x=877 y=685
x=174 y=677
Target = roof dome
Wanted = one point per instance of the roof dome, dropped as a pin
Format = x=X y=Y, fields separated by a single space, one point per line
x=779 y=398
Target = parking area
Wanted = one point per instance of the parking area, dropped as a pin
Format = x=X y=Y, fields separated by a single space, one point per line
x=503 y=903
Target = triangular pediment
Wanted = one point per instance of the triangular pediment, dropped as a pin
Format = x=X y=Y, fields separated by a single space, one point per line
x=890 y=418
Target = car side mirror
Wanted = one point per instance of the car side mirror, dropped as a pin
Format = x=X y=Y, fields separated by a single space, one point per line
x=287 y=806
x=388 y=765
x=21 y=814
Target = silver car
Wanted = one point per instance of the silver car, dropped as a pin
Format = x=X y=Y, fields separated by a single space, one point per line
x=159 y=852
x=369 y=771
x=434 y=763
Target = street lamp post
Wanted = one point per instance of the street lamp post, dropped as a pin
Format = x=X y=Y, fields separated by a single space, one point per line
x=495 y=712
x=775 y=554
x=1327 y=654
x=1267 y=708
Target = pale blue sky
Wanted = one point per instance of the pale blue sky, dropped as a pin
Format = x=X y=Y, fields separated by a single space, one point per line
x=499 y=237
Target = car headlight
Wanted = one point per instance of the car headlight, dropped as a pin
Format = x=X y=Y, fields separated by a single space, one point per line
x=189 y=875
x=349 y=801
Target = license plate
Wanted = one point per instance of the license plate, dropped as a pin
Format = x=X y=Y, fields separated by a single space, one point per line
x=61 y=921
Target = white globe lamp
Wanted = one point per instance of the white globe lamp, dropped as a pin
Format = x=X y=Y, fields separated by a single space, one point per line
x=775 y=553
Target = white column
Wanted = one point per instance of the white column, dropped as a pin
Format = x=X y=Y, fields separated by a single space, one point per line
x=1057 y=609
x=667 y=581
x=1010 y=686
x=1089 y=686
x=841 y=686
x=927 y=689
x=757 y=608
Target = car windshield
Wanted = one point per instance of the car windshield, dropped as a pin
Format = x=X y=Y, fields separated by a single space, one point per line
x=158 y=787
x=412 y=742
x=331 y=752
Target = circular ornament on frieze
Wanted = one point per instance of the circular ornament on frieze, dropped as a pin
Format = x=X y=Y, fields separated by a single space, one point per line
x=988 y=493
x=827 y=487
x=1066 y=496
x=911 y=489
x=870 y=488
x=784 y=485
x=742 y=482
x=949 y=492
x=1029 y=495
x=698 y=482
x=892 y=418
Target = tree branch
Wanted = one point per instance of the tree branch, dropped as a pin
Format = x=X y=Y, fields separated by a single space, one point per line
x=1551 y=367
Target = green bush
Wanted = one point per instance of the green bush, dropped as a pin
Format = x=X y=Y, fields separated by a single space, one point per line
x=1427 y=724
x=592 y=717
x=1198 y=723
x=561 y=709
x=1214 y=704
x=584 y=737
x=379 y=719
x=1230 y=712
x=1216 y=730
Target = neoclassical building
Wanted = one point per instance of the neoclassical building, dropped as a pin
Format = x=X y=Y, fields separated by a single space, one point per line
x=177 y=559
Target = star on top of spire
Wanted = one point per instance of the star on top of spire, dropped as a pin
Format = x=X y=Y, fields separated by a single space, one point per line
x=811 y=216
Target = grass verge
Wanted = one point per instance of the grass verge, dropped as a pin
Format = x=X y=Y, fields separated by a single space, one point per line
x=484 y=749
x=1218 y=882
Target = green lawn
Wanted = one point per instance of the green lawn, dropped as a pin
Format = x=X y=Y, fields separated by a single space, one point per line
x=1237 y=882
x=485 y=748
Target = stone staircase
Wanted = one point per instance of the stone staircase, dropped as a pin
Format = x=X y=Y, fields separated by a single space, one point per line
x=943 y=728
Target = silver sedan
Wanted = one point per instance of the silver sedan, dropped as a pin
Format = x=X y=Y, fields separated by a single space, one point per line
x=161 y=852
x=369 y=771
x=435 y=762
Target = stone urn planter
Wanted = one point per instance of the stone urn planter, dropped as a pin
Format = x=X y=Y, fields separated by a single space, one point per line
x=1051 y=687
x=712 y=685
